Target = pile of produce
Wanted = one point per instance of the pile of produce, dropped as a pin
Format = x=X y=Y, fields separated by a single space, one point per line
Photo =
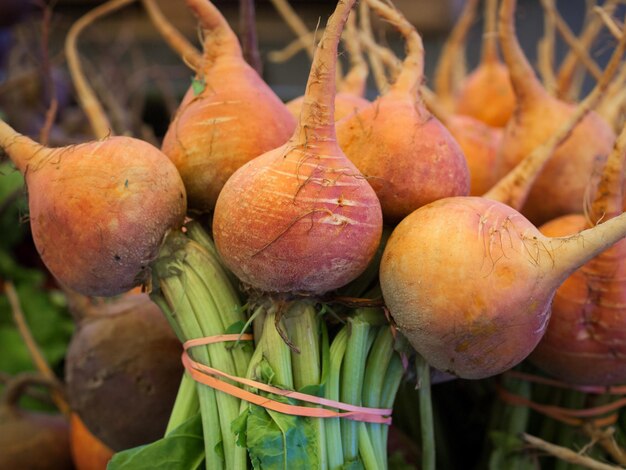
x=406 y=278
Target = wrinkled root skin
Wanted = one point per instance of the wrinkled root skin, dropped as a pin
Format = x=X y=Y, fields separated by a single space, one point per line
x=99 y=212
x=466 y=282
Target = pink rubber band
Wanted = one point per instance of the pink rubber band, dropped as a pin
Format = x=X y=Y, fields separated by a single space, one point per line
x=211 y=377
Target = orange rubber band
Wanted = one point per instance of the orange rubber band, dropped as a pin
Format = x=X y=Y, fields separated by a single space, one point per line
x=595 y=389
x=213 y=378
x=565 y=415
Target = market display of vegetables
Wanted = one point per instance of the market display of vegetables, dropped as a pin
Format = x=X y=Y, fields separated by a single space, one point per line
x=368 y=273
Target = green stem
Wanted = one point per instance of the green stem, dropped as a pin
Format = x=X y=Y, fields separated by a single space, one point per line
x=275 y=350
x=366 y=449
x=353 y=371
x=228 y=405
x=426 y=415
x=512 y=421
x=303 y=329
x=186 y=404
x=197 y=233
x=333 y=425
x=202 y=302
x=377 y=364
x=257 y=324
x=157 y=297
x=393 y=379
x=211 y=429
x=226 y=302
x=206 y=396
x=517 y=416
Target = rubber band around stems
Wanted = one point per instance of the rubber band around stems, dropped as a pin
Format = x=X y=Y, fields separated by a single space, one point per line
x=595 y=389
x=570 y=416
x=214 y=378
x=565 y=415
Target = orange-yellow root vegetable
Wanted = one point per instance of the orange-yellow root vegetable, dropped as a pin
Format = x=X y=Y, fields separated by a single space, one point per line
x=481 y=145
x=469 y=280
x=301 y=217
x=99 y=210
x=228 y=116
x=585 y=342
x=486 y=93
x=479 y=142
x=408 y=156
x=560 y=188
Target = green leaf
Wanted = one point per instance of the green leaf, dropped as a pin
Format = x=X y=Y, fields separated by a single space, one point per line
x=14 y=356
x=353 y=465
x=13 y=207
x=397 y=462
x=182 y=449
x=317 y=390
x=277 y=441
x=236 y=328
x=265 y=372
x=198 y=85
x=239 y=427
x=509 y=452
x=10 y=180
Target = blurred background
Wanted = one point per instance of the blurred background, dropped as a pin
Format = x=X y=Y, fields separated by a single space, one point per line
x=141 y=81
x=140 y=71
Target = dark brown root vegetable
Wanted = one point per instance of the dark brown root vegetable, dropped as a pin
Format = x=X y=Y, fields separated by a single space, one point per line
x=29 y=440
x=123 y=370
x=98 y=210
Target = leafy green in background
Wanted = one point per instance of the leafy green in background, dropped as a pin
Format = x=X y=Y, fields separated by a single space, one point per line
x=13 y=207
x=45 y=310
